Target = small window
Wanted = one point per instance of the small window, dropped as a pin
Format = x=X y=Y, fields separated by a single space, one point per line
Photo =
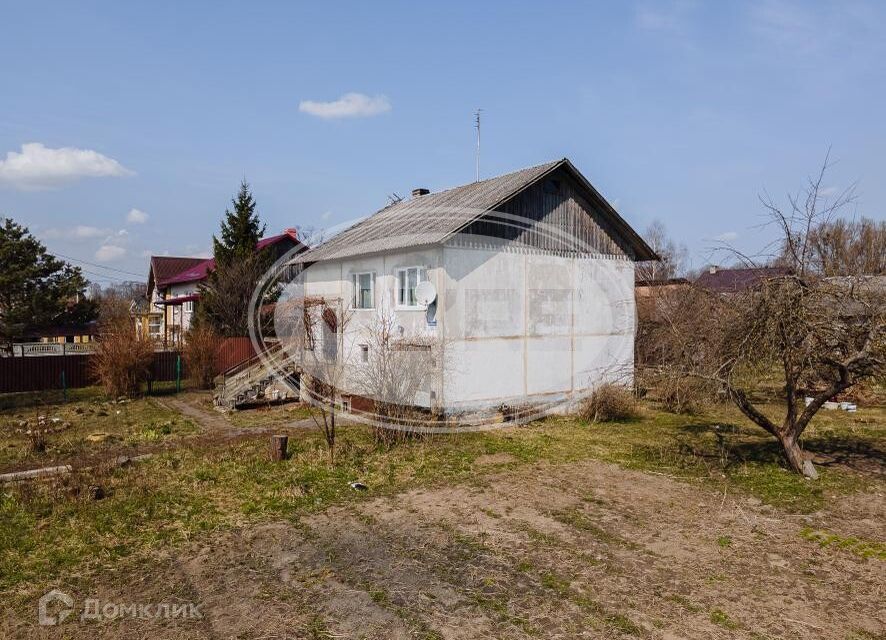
x=363 y=291
x=189 y=306
x=364 y=353
x=407 y=281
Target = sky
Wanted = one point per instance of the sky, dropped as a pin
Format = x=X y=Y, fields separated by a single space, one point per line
x=125 y=128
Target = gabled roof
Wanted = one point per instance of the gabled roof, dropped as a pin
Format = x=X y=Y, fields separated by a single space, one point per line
x=432 y=218
x=199 y=270
x=165 y=267
x=734 y=280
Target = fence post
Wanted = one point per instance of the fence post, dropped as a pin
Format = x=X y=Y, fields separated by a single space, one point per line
x=64 y=367
x=178 y=373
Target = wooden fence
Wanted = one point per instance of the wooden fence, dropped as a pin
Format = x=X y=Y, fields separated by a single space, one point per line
x=45 y=373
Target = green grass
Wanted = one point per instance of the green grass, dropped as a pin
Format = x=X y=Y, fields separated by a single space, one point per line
x=51 y=527
x=125 y=424
x=858 y=546
x=722 y=619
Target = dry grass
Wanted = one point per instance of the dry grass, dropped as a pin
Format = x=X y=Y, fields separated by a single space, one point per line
x=610 y=403
x=521 y=526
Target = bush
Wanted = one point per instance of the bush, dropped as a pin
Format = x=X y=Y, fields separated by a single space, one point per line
x=609 y=403
x=682 y=395
x=122 y=360
x=200 y=346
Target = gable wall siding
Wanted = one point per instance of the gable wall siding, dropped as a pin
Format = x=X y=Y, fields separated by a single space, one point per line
x=569 y=224
x=530 y=326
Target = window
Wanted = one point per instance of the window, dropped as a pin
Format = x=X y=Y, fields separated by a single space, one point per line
x=189 y=306
x=407 y=281
x=363 y=294
x=364 y=353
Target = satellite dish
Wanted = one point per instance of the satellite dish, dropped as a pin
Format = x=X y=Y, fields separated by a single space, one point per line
x=425 y=293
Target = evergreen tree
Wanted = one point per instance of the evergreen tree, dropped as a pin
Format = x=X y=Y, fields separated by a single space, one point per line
x=36 y=289
x=226 y=293
x=240 y=229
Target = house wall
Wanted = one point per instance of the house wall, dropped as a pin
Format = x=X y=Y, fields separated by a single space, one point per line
x=516 y=325
x=335 y=281
x=530 y=326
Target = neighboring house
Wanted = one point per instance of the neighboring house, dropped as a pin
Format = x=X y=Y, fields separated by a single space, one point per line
x=651 y=288
x=174 y=288
x=726 y=281
x=70 y=334
x=160 y=318
x=534 y=280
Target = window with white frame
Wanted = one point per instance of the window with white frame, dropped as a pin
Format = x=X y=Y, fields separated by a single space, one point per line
x=364 y=296
x=407 y=281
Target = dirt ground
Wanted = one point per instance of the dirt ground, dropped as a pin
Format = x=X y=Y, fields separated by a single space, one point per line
x=581 y=550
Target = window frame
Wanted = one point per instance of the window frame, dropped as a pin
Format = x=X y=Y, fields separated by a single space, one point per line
x=355 y=278
x=403 y=304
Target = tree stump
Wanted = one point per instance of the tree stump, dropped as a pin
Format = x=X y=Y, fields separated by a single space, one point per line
x=278 y=448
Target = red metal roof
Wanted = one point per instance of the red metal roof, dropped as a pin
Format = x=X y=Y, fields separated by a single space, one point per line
x=165 y=267
x=735 y=280
x=199 y=271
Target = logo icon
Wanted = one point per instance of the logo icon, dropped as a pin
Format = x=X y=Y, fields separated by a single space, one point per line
x=43 y=617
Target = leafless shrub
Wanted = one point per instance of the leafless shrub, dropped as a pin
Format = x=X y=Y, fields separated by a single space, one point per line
x=680 y=394
x=609 y=403
x=319 y=337
x=393 y=369
x=37 y=440
x=122 y=361
x=200 y=349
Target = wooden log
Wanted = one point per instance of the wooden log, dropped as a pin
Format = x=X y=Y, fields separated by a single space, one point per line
x=278 y=448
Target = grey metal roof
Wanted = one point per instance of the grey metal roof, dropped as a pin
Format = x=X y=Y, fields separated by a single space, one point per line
x=432 y=218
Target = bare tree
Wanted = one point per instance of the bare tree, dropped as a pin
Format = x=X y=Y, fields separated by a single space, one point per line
x=201 y=346
x=821 y=335
x=122 y=361
x=849 y=247
x=673 y=256
x=324 y=351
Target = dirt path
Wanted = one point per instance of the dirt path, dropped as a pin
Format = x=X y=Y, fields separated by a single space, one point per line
x=585 y=550
x=217 y=423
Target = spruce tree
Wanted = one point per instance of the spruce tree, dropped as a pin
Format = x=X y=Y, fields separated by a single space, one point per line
x=240 y=229
x=225 y=295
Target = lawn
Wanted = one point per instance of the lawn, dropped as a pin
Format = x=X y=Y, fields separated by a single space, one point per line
x=51 y=530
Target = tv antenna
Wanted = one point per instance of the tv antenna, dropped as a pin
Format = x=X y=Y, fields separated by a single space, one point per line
x=477 y=127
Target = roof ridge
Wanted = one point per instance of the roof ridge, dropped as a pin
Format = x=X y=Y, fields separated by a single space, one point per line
x=550 y=164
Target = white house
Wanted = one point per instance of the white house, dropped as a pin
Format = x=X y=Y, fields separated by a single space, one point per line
x=532 y=278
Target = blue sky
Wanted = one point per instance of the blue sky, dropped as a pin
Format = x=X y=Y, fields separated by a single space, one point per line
x=682 y=111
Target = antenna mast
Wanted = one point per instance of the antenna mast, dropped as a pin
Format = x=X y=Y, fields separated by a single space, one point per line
x=477 y=126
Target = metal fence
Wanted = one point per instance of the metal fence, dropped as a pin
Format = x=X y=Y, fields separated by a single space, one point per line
x=66 y=370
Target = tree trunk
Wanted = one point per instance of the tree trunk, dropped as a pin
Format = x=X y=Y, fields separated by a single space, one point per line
x=793 y=453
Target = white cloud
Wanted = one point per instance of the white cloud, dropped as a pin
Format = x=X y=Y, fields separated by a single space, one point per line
x=326 y=215
x=350 y=105
x=79 y=232
x=39 y=167
x=109 y=252
x=84 y=232
x=136 y=216
x=727 y=236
